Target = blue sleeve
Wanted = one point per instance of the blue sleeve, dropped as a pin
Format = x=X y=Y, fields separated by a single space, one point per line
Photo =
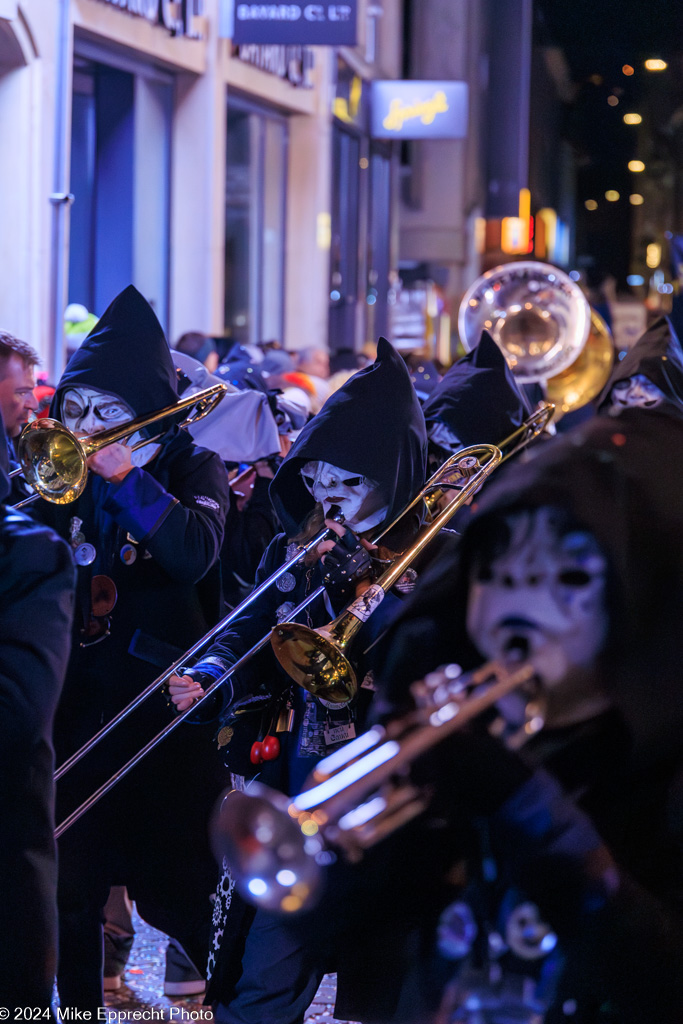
x=139 y=504
x=182 y=524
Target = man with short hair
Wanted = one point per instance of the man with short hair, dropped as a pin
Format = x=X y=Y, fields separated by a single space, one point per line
x=17 y=381
x=17 y=400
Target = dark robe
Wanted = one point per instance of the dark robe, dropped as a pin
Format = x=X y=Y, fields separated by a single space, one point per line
x=157 y=537
x=36 y=608
x=624 y=768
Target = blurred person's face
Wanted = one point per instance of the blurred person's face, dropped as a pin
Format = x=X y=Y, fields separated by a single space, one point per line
x=317 y=364
x=542 y=598
x=211 y=362
x=16 y=395
x=356 y=496
x=636 y=392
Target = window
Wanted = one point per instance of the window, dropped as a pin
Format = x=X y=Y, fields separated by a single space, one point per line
x=256 y=178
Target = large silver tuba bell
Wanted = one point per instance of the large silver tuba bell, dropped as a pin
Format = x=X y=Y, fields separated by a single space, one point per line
x=534 y=312
x=545 y=328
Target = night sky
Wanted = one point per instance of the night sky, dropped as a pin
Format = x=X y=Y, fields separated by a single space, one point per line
x=598 y=38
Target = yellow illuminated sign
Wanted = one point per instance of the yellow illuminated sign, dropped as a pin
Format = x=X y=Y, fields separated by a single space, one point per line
x=425 y=110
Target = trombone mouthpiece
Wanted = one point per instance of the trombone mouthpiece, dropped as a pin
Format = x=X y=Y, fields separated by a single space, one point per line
x=336 y=514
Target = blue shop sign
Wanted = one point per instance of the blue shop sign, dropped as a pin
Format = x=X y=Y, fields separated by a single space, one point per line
x=418 y=110
x=305 y=24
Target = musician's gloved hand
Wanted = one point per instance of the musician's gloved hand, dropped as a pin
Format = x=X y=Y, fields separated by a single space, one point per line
x=345 y=562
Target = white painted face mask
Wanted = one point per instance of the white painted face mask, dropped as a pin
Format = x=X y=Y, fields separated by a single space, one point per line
x=444 y=437
x=87 y=411
x=545 y=594
x=635 y=392
x=357 y=497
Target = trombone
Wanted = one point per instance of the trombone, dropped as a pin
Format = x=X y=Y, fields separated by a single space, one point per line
x=316 y=658
x=463 y=464
x=469 y=465
x=55 y=462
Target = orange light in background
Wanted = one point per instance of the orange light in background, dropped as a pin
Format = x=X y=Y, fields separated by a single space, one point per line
x=512 y=235
x=627 y=69
x=653 y=255
x=540 y=241
x=613 y=101
x=526 y=218
x=591 y=204
x=611 y=195
x=524 y=204
x=655 y=64
x=493 y=235
x=480 y=235
x=636 y=199
x=548 y=218
x=632 y=119
x=636 y=166
x=516 y=235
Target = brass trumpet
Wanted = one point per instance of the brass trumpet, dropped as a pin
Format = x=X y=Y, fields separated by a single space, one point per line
x=55 y=462
x=276 y=848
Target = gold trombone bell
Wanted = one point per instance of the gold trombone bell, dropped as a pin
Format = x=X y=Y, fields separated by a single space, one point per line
x=317 y=659
x=55 y=462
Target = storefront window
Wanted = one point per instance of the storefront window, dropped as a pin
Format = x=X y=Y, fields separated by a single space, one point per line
x=255 y=223
x=344 y=271
x=120 y=177
x=360 y=260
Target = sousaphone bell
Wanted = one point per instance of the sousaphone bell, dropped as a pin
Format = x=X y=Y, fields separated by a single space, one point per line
x=542 y=322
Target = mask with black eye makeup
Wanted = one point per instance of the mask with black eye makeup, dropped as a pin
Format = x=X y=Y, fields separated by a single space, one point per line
x=358 y=498
x=542 y=589
x=635 y=392
x=87 y=411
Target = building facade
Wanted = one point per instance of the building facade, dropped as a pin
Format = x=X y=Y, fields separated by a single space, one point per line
x=143 y=146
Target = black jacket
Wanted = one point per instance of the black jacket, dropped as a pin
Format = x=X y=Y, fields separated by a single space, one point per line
x=36 y=607
x=394 y=458
x=165 y=519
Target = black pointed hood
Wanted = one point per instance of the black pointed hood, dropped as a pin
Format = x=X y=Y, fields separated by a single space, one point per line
x=478 y=399
x=657 y=355
x=5 y=485
x=372 y=425
x=126 y=353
